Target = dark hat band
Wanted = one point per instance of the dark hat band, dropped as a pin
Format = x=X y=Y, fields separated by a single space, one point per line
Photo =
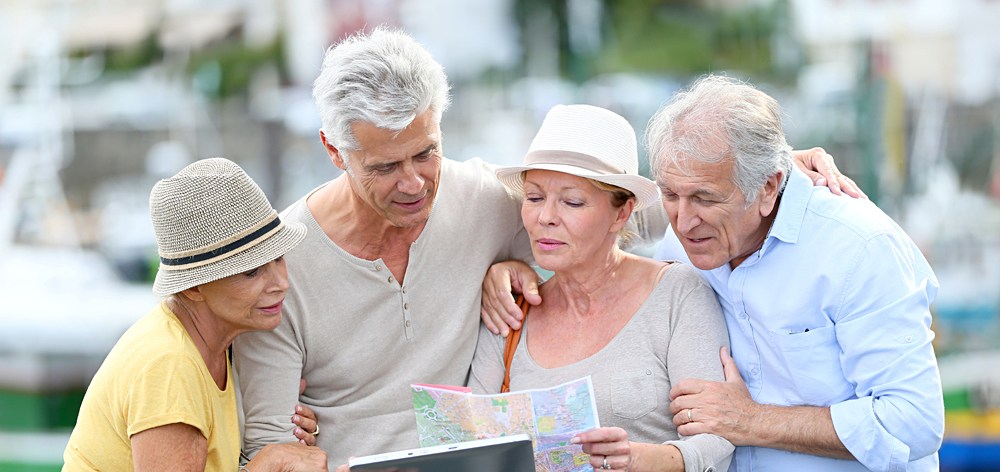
x=241 y=244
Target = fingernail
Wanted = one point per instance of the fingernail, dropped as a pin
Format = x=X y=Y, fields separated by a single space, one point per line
x=296 y=418
x=533 y=291
x=575 y=440
x=298 y=408
x=820 y=182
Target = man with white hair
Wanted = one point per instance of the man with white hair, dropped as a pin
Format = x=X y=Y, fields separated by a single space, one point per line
x=826 y=298
x=385 y=289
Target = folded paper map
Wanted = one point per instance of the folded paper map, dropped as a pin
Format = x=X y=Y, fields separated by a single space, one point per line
x=447 y=415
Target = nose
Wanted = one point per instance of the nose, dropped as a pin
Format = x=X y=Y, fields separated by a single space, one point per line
x=687 y=217
x=279 y=276
x=548 y=214
x=410 y=182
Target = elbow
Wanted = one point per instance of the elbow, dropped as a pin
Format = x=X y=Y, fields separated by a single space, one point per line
x=929 y=437
x=927 y=441
x=920 y=429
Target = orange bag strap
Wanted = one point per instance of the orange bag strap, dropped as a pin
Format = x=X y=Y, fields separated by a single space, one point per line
x=512 y=339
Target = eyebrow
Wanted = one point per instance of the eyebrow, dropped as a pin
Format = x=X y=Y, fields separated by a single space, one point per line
x=426 y=150
x=698 y=192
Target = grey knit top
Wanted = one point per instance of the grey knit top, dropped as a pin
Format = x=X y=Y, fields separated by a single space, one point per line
x=676 y=334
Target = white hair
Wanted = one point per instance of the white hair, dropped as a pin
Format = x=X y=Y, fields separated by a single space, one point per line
x=384 y=78
x=721 y=118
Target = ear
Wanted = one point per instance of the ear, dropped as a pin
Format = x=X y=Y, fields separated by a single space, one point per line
x=335 y=156
x=194 y=294
x=621 y=218
x=768 y=196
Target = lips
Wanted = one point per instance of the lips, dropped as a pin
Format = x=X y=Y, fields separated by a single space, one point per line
x=273 y=309
x=410 y=206
x=546 y=244
x=697 y=240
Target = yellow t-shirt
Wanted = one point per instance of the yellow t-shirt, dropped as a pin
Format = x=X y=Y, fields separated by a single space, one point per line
x=154 y=376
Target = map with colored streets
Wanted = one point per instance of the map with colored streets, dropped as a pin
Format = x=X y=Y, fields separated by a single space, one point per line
x=551 y=416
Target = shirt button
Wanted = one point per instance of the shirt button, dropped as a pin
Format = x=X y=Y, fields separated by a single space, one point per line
x=378 y=267
x=407 y=323
x=406 y=306
x=710 y=469
x=391 y=279
x=404 y=289
x=909 y=339
x=649 y=372
x=755 y=370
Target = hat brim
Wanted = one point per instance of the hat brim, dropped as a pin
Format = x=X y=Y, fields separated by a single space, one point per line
x=169 y=282
x=646 y=192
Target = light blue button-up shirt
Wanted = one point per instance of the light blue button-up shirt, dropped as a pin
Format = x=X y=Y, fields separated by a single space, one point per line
x=832 y=311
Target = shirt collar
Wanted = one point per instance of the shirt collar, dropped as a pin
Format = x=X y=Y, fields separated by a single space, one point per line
x=792 y=209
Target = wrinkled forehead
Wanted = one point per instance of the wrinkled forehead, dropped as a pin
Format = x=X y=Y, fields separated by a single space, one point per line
x=688 y=174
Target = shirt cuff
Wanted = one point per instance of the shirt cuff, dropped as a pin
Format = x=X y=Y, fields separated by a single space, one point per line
x=863 y=435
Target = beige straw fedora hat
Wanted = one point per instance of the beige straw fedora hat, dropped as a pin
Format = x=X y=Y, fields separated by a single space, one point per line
x=590 y=142
x=212 y=221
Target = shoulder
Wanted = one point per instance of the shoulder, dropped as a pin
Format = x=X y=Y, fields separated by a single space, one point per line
x=154 y=352
x=684 y=276
x=473 y=175
x=845 y=216
x=471 y=192
x=683 y=292
x=156 y=332
x=166 y=344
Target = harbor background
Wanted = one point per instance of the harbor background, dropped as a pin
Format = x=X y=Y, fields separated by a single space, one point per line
x=101 y=98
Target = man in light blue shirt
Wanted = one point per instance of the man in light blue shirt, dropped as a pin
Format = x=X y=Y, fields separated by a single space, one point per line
x=825 y=297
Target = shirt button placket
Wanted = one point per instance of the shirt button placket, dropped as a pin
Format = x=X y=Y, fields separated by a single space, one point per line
x=407 y=319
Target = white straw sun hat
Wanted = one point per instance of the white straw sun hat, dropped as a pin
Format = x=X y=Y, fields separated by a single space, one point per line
x=589 y=142
x=212 y=221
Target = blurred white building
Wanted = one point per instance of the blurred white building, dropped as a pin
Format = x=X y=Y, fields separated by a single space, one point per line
x=949 y=47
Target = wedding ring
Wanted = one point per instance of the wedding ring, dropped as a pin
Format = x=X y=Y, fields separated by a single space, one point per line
x=689 y=416
x=316 y=433
x=606 y=465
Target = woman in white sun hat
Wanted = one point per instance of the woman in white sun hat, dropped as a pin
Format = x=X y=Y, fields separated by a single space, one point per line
x=164 y=397
x=634 y=324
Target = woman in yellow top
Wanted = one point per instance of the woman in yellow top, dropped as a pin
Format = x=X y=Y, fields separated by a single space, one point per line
x=164 y=398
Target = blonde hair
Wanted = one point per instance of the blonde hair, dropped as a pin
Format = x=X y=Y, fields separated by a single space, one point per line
x=619 y=196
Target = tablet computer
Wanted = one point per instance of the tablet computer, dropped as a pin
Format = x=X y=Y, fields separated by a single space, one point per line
x=506 y=454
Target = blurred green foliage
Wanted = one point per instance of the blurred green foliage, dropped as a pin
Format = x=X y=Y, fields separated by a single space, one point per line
x=225 y=69
x=133 y=57
x=680 y=37
x=687 y=37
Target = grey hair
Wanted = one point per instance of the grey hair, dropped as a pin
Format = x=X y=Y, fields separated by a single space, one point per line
x=719 y=118
x=384 y=78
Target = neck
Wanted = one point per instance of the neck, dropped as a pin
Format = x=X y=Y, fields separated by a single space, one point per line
x=758 y=237
x=210 y=336
x=575 y=290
